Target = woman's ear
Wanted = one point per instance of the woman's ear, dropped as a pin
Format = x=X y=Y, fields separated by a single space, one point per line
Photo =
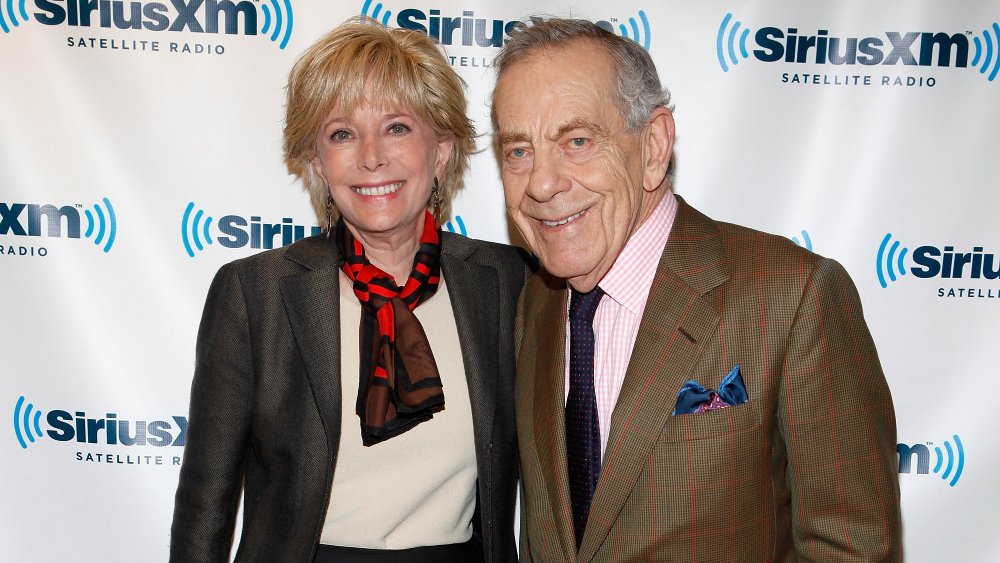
x=317 y=165
x=444 y=146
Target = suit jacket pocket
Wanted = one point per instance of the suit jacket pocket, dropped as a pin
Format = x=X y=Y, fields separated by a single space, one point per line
x=712 y=424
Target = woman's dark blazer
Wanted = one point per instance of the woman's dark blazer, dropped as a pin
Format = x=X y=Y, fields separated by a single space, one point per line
x=266 y=397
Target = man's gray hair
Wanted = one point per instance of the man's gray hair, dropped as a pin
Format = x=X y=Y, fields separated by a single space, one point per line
x=639 y=89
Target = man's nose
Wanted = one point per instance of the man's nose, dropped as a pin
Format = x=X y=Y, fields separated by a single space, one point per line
x=547 y=178
x=373 y=154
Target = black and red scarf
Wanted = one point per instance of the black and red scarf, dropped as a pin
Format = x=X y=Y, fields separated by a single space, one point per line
x=400 y=385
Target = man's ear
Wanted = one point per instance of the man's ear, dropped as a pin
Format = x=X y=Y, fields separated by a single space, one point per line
x=657 y=146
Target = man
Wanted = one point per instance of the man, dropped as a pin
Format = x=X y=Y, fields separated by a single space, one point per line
x=782 y=448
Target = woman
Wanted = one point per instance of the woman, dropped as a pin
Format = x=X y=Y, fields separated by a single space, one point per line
x=365 y=421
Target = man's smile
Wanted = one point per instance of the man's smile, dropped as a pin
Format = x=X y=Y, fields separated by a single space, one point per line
x=564 y=220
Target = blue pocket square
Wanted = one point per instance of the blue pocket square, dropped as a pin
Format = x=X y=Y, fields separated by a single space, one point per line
x=694 y=398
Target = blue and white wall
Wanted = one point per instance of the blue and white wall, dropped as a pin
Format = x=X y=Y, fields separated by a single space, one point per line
x=140 y=150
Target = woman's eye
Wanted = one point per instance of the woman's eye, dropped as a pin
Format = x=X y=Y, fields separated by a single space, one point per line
x=340 y=135
x=398 y=128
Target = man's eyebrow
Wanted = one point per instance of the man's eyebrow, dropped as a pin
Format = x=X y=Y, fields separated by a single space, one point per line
x=504 y=138
x=579 y=123
x=571 y=125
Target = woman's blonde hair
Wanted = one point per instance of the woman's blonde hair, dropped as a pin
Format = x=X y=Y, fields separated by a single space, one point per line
x=362 y=61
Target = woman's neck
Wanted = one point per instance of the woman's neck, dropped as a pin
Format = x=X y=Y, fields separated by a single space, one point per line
x=393 y=252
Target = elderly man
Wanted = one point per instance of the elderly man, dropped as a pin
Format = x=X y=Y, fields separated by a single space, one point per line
x=688 y=390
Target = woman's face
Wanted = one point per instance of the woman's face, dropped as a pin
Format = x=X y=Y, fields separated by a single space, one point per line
x=379 y=164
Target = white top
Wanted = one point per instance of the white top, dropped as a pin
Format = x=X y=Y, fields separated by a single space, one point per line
x=418 y=488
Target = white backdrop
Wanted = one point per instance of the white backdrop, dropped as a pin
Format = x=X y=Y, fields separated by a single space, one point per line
x=137 y=155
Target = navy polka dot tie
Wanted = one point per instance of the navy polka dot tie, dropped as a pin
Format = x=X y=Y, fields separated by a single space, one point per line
x=583 y=431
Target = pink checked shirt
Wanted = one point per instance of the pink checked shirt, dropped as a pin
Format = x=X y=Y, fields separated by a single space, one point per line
x=616 y=323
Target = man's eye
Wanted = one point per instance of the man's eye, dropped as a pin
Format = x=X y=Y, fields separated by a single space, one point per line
x=578 y=142
x=518 y=153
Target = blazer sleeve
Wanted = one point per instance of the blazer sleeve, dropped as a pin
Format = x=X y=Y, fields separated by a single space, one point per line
x=836 y=416
x=218 y=428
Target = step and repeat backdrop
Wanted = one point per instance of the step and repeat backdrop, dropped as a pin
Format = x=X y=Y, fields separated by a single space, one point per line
x=140 y=151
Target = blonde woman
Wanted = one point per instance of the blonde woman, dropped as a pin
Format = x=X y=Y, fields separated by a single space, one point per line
x=357 y=385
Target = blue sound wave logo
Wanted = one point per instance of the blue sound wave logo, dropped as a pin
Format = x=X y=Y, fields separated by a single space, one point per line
x=278 y=18
x=727 y=41
x=889 y=260
x=9 y=16
x=949 y=463
x=806 y=242
x=195 y=229
x=376 y=13
x=200 y=230
x=633 y=32
x=27 y=423
x=461 y=226
x=103 y=224
x=955 y=457
x=988 y=51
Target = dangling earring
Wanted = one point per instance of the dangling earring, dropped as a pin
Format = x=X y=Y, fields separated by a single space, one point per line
x=436 y=200
x=329 y=215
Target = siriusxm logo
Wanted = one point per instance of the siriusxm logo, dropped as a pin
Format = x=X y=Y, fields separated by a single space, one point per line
x=235 y=231
x=952 y=458
x=66 y=426
x=26 y=219
x=933 y=262
x=195 y=16
x=910 y=48
x=469 y=31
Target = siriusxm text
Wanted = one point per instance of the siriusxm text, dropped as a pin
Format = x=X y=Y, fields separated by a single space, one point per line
x=196 y=16
x=932 y=261
x=66 y=427
x=906 y=453
x=466 y=30
x=237 y=232
x=11 y=222
x=470 y=29
x=907 y=48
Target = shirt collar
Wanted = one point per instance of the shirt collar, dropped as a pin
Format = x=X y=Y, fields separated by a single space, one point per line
x=630 y=277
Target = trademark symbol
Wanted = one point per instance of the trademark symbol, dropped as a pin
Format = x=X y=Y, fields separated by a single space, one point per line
x=79 y=206
x=968 y=33
x=929 y=443
x=614 y=19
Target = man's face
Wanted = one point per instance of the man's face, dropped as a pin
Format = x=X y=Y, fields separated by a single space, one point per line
x=572 y=174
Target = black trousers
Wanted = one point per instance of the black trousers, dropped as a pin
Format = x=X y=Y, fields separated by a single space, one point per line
x=468 y=552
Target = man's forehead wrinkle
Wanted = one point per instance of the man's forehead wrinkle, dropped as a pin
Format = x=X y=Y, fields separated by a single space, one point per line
x=563 y=100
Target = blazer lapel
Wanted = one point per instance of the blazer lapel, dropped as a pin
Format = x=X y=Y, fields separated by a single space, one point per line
x=471 y=288
x=312 y=303
x=549 y=412
x=680 y=316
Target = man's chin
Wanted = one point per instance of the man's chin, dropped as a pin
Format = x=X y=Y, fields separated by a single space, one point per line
x=581 y=277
